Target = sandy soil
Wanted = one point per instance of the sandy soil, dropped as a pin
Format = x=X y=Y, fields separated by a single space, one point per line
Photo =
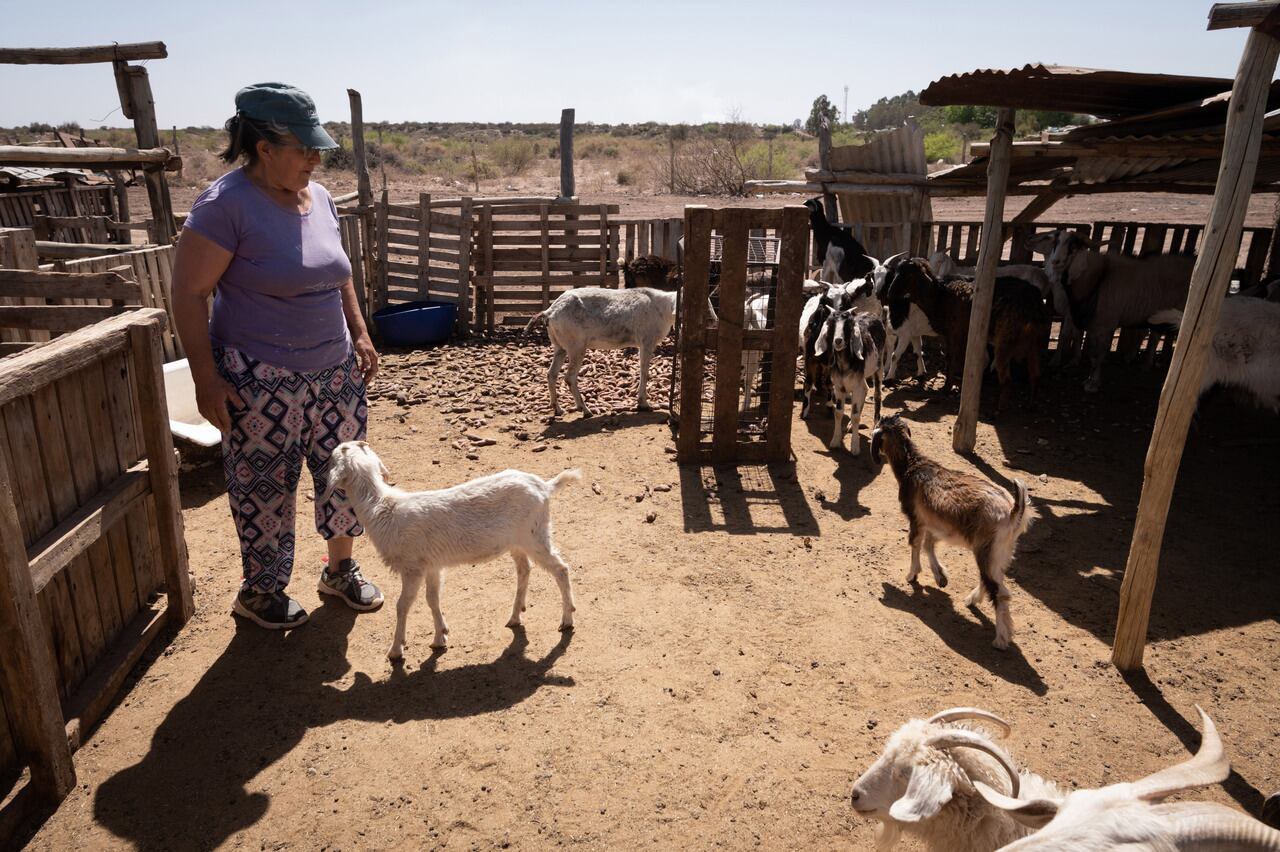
x=738 y=661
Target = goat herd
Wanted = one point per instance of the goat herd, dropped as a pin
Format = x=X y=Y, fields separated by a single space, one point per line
x=944 y=779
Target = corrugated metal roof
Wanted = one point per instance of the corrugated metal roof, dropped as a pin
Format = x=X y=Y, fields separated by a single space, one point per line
x=1108 y=94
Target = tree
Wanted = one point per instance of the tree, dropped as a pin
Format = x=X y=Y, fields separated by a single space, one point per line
x=821 y=107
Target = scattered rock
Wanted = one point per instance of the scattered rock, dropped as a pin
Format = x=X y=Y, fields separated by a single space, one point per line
x=651 y=517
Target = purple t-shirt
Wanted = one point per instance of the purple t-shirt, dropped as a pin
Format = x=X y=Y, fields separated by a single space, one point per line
x=279 y=300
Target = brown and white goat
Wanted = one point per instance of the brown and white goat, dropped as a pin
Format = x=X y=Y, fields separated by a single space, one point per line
x=956 y=507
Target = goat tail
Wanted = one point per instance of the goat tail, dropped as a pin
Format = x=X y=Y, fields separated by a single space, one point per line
x=1169 y=316
x=538 y=319
x=1021 y=517
x=562 y=479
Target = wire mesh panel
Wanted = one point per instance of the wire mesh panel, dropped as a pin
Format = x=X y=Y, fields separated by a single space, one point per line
x=738 y=341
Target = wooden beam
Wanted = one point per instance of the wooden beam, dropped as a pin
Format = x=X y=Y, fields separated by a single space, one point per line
x=148 y=135
x=567 y=189
x=55 y=550
x=85 y=158
x=83 y=55
x=693 y=323
x=965 y=434
x=27 y=666
x=50 y=250
x=1209 y=281
x=68 y=285
x=363 y=186
x=862 y=176
x=1227 y=15
x=824 y=163
x=60 y=318
x=148 y=358
x=1038 y=205
x=805 y=186
x=1183 y=149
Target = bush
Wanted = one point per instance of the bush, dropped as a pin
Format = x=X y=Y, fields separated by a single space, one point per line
x=942 y=145
x=624 y=178
x=513 y=154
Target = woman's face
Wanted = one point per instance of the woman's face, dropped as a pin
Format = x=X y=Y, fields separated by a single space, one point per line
x=288 y=164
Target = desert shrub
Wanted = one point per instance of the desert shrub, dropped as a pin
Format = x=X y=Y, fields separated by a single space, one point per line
x=943 y=145
x=624 y=178
x=512 y=155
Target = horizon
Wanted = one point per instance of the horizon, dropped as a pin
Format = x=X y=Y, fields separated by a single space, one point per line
x=433 y=63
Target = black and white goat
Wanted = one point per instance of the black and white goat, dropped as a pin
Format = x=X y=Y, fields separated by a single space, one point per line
x=944 y=505
x=851 y=343
x=855 y=262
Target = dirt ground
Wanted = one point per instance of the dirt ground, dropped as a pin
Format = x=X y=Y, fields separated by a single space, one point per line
x=738 y=660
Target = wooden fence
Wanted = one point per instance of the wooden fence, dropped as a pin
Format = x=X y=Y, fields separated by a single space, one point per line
x=735 y=435
x=153 y=270
x=20 y=209
x=528 y=254
x=640 y=237
x=90 y=531
x=423 y=252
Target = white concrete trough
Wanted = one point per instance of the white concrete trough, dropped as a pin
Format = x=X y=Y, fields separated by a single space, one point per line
x=185 y=420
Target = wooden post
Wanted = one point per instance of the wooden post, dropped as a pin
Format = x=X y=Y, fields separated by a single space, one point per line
x=824 y=163
x=380 y=270
x=363 y=185
x=424 y=245
x=693 y=329
x=464 y=267
x=788 y=302
x=122 y=198
x=566 y=154
x=142 y=108
x=148 y=379
x=965 y=435
x=27 y=666
x=544 y=244
x=733 y=283
x=1209 y=281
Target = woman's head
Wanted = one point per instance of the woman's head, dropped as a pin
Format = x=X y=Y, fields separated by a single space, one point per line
x=276 y=129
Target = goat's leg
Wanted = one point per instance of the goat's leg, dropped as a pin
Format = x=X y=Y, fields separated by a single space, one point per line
x=575 y=364
x=917 y=343
x=646 y=355
x=522 y=586
x=410 y=583
x=939 y=572
x=991 y=559
x=549 y=558
x=750 y=365
x=837 y=415
x=434 y=580
x=553 y=377
x=1004 y=374
x=855 y=416
x=1099 y=346
x=915 y=538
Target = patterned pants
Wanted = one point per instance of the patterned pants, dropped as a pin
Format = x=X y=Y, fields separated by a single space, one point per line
x=287 y=417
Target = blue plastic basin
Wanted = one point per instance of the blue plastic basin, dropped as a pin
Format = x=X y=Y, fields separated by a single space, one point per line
x=416 y=323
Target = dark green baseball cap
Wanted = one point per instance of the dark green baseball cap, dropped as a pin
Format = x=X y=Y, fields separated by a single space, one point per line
x=287 y=105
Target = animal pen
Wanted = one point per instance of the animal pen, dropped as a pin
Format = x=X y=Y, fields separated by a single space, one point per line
x=712 y=348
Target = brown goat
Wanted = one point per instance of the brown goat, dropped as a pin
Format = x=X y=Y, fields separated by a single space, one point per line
x=1018 y=330
x=651 y=270
x=956 y=507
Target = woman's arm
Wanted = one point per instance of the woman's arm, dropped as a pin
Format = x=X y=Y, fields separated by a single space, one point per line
x=366 y=355
x=199 y=264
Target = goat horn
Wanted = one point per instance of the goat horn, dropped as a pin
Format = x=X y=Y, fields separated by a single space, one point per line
x=957 y=714
x=1208 y=766
x=1039 y=810
x=958 y=738
x=874 y=261
x=1207 y=826
x=896 y=256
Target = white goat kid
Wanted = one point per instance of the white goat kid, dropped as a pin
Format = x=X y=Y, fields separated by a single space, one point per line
x=419 y=534
x=923 y=784
x=598 y=318
x=1129 y=816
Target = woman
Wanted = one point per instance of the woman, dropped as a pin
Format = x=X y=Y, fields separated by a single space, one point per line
x=282 y=365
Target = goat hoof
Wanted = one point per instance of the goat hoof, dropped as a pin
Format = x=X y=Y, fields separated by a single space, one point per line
x=942 y=581
x=566 y=628
x=514 y=622
x=1000 y=644
x=644 y=406
x=396 y=656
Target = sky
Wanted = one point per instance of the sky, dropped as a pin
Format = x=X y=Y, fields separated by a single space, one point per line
x=665 y=61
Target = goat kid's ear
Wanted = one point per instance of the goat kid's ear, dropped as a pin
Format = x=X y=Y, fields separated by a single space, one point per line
x=928 y=790
x=1033 y=813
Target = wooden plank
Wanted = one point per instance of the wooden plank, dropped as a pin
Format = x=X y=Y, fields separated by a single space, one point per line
x=381 y=241
x=91 y=702
x=68 y=285
x=63 y=503
x=544 y=262
x=139 y=524
x=106 y=457
x=547 y=268
x=604 y=244
x=964 y=435
x=1256 y=258
x=487 y=237
x=693 y=321
x=733 y=224
x=535 y=254
x=80 y=55
x=464 y=268
x=87 y=158
x=554 y=225
x=1178 y=399
x=26 y=666
x=790 y=302
x=82 y=446
x=54 y=317
x=1252 y=14
x=149 y=385
x=86 y=525
x=557 y=240
x=566 y=154
x=424 y=243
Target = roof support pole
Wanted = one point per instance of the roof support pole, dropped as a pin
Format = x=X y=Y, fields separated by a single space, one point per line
x=964 y=436
x=1209 y=281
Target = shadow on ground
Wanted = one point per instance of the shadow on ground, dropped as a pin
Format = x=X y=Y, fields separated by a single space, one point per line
x=745 y=500
x=256 y=702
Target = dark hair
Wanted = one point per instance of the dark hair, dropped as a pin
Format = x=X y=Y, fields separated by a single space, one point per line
x=245 y=134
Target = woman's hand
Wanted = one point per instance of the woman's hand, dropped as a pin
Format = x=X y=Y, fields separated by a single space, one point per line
x=213 y=396
x=366 y=357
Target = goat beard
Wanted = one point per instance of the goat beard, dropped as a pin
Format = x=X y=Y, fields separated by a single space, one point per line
x=887 y=834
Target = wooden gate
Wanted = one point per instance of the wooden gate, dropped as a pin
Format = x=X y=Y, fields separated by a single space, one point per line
x=735 y=434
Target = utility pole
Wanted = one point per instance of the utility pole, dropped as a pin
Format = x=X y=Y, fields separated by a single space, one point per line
x=846 y=102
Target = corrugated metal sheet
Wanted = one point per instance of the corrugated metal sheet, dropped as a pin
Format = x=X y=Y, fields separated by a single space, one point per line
x=1108 y=94
x=884 y=224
